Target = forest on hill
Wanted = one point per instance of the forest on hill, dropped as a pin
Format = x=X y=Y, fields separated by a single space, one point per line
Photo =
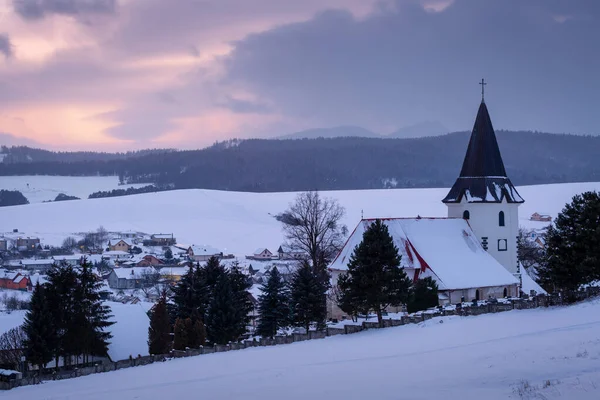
x=268 y=165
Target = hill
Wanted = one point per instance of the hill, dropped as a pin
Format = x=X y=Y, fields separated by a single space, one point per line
x=495 y=356
x=423 y=129
x=339 y=164
x=238 y=222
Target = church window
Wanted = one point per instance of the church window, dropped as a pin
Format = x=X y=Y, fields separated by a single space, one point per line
x=501 y=218
x=505 y=292
x=502 y=244
x=466 y=214
x=477 y=294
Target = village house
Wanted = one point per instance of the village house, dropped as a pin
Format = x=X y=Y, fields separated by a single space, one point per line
x=24 y=244
x=41 y=264
x=471 y=254
x=14 y=280
x=173 y=273
x=203 y=253
x=72 y=260
x=261 y=254
x=540 y=217
x=160 y=239
x=287 y=253
x=129 y=278
x=120 y=245
x=149 y=260
x=3 y=244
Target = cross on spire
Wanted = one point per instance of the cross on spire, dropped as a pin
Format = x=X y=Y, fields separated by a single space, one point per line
x=482 y=83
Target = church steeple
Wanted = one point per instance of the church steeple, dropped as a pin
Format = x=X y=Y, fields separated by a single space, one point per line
x=483 y=177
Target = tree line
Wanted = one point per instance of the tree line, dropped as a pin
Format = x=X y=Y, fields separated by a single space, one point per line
x=262 y=165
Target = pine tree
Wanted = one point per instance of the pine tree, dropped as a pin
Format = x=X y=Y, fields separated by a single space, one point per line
x=573 y=246
x=374 y=280
x=273 y=305
x=240 y=284
x=180 y=340
x=222 y=314
x=191 y=295
x=98 y=314
x=60 y=294
x=41 y=333
x=159 y=332
x=423 y=296
x=308 y=298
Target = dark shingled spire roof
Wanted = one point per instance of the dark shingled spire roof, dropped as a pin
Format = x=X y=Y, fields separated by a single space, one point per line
x=483 y=155
x=483 y=177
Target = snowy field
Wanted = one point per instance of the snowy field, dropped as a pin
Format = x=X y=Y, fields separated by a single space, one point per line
x=39 y=188
x=238 y=222
x=531 y=354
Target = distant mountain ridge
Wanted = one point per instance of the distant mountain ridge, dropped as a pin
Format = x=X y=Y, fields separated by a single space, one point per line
x=276 y=165
x=334 y=132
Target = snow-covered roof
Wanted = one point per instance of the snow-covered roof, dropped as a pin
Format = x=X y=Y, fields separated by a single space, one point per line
x=528 y=284
x=73 y=257
x=8 y=275
x=204 y=250
x=19 y=278
x=128 y=242
x=133 y=272
x=443 y=248
x=37 y=262
x=163 y=236
x=260 y=250
x=116 y=253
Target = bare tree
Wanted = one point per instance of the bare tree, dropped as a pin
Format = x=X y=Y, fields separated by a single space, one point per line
x=530 y=253
x=69 y=243
x=312 y=224
x=11 y=347
x=150 y=282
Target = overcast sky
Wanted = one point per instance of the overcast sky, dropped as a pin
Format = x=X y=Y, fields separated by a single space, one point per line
x=128 y=74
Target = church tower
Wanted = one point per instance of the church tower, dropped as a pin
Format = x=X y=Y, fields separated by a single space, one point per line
x=485 y=196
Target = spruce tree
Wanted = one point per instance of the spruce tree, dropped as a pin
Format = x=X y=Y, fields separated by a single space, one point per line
x=573 y=246
x=191 y=295
x=41 y=339
x=374 y=280
x=180 y=340
x=423 y=296
x=97 y=313
x=240 y=284
x=159 y=332
x=273 y=305
x=222 y=314
x=308 y=298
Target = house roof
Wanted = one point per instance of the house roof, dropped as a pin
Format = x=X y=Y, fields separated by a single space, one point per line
x=443 y=248
x=162 y=236
x=483 y=177
x=133 y=272
x=205 y=250
x=260 y=250
x=128 y=242
x=174 y=271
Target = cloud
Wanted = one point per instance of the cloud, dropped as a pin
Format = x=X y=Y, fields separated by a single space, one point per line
x=6 y=46
x=403 y=64
x=38 y=9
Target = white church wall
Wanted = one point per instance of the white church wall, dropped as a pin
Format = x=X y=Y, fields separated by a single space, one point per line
x=484 y=220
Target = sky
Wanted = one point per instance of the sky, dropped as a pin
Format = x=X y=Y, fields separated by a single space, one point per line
x=117 y=75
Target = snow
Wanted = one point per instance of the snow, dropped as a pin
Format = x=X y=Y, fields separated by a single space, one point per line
x=133 y=272
x=237 y=222
x=528 y=284
x=448 y=246
x=130 y=332
x=485 y=357
x=39 y=188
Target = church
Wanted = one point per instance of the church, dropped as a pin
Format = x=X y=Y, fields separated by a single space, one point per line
x=471 y=253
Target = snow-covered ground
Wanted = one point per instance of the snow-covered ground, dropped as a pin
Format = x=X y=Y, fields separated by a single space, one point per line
x=531 y=354
x=238 y=222
x=39 y=188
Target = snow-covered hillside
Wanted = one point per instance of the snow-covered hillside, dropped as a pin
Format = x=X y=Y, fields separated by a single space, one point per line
x=41 y=188
x=238 y=222
x=531 y=354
